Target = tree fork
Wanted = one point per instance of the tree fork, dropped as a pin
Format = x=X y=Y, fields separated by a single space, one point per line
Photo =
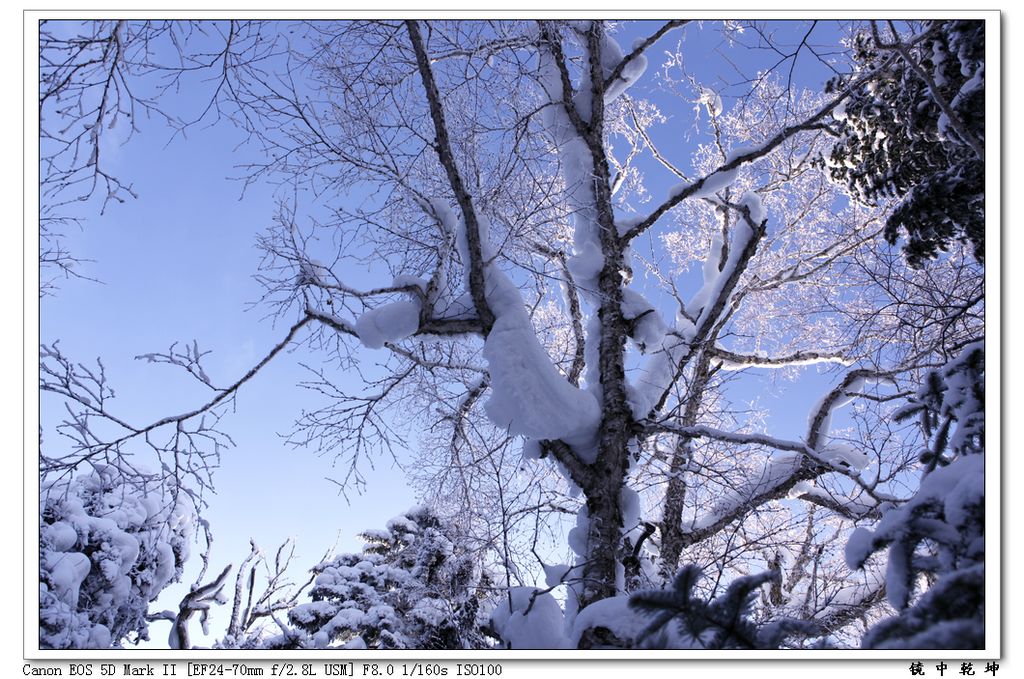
x=477 y=287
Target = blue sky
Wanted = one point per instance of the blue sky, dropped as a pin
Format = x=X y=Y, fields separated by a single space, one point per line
x=176 y=265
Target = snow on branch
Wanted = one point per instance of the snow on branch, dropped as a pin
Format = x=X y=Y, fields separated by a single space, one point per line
x=722 y=176
x=529 y=394
x=782 y=476
x=199 y=600
x=564 y=94
x=850 y=604
x=572 y=297
x=431 y=326
x=704 y=431
x=639 y=47
x=697 y=323
x=852 y=386
x=848 y=507
x=729 y=360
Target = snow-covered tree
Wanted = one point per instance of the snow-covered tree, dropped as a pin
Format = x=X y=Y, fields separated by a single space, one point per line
x=410 y=587
x=573 y=306
x=916 y=133
x=462 y=307
x=108 y=547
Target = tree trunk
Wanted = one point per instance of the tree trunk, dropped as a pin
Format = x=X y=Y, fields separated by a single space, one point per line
x=675 y=494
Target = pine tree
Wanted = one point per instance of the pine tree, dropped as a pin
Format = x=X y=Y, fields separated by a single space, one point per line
x=725 y=622
x=938 y=536
x=412 y=586
x=916 y=132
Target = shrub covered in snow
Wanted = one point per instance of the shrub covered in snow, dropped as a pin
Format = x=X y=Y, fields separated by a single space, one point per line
x=938 y=536
x=108 y=547
x=412 y=586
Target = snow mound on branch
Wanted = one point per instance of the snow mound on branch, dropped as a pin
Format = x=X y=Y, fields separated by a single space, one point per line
x=556 y=575
x=532 y=450
x=404 y=280
x=776 y=469
x=752 y=202
x=530 y=619
x=648 y=328
x=845 y=455
x=658 y=372
x=615 y=615
x=801 y=488
x=710 y=272
x=631 y=510
x=402 y=524
x=529 y=396
x=612 y=56
x=713 y=183
x=587 y=262
x=579 y=534
x=388 y=323
x=714 y=280
x=711 y=100
x=313 y=271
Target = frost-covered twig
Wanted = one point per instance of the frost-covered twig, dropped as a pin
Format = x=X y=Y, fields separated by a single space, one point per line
x=572 y=298
x=194 y=441
x=190 y=359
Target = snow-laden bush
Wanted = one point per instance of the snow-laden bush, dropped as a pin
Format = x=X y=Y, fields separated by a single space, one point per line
x=936 y=540
x=412 y=586
x=107 y=547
